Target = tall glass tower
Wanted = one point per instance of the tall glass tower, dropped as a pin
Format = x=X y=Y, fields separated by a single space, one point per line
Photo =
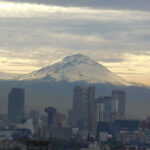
x=16 y=100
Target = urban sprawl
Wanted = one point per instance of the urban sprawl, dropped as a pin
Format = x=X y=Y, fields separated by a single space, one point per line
x=91 y=124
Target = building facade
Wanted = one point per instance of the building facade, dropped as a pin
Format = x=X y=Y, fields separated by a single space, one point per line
x=51 y=116
x=16 y=101
x=84 y=105
x=120 y=97
x=104 y=109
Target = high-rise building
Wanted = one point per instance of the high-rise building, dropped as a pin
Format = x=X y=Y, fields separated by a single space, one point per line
x=16 y=100
x=104 y=109
x=120 y=97
x=84 y=106
x=100 y=112
x=51 y=115
x=34 y=114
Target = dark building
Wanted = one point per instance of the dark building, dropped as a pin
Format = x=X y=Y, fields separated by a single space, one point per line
x=120 y=96
x=84 y=106
x=127 y=124
x=62 y=133
x=35 y=144
x=51 y=115
x=108 y=127
x=16 y=100
x=104 y=126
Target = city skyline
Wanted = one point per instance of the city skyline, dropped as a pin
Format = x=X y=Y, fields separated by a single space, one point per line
x=75 y=74
x=34 y=35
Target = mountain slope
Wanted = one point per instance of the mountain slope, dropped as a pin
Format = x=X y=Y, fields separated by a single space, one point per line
x=74 y=68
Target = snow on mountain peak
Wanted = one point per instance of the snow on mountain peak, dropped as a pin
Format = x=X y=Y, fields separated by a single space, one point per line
x=77 y=58
x=80 y=59
x=74 y=68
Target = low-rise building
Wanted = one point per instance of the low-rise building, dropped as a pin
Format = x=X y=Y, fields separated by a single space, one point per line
x=35 y=145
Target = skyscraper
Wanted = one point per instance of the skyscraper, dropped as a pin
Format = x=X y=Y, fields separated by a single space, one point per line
x=51 y=115
x=120 y=96
x=104 y=109
x=84 y=106
x=16 y=99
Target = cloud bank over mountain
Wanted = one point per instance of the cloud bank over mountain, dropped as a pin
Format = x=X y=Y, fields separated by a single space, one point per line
x=114 y=33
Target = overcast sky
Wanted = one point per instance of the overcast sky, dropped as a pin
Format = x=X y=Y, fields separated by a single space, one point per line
x=115 y=33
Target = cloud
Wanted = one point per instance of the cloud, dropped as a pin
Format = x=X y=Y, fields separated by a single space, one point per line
x=34 y=35
x=109 y=4
x=12 y=9
x=133 y=68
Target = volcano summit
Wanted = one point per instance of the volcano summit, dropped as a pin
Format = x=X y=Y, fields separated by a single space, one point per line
x=75 y=68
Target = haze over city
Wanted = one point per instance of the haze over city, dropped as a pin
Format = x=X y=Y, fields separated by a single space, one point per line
x=74 y=74
x=116 y=34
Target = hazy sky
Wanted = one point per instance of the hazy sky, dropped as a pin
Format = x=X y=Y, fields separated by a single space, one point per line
x=115 y=33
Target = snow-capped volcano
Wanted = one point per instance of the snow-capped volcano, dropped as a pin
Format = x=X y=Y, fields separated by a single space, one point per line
x=74 y=68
